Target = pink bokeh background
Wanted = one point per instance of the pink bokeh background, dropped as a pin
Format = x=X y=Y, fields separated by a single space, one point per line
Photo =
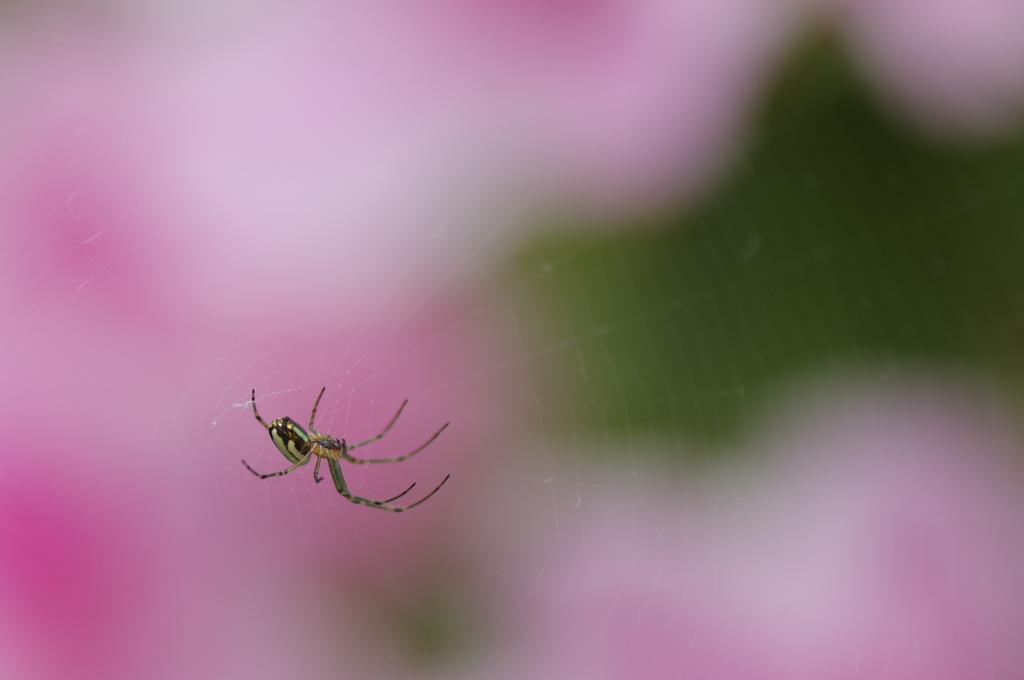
x=198 y=202
x=871 y=531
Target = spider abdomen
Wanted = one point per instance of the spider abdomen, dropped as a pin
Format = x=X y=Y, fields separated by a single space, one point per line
x=289 y=438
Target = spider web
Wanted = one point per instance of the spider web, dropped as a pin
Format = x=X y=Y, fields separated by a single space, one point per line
x=611 y=398
x=670 y=363
x=648 y=367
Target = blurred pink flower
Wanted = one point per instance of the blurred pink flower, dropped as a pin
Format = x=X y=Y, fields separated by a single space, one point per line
x=140 y=306
x=954 y=64
x=882 y=539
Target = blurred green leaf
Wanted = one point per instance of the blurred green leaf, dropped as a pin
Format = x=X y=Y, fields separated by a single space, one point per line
x=842 y=238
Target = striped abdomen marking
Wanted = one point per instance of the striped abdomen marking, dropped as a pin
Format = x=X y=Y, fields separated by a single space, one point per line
x=289 y=438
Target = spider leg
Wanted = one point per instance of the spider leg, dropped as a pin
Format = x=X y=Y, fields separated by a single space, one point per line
x=302 y=461
x=312 y=417
x=257 y=413
x=339 y=483
x=348 y=495
x=360 y=461
x=395 y=498
x=384 y=431
x=316 y=471
x=436 y=489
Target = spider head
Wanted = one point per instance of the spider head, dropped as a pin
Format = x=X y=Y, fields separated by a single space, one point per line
x=289 y=438
x=327 y=441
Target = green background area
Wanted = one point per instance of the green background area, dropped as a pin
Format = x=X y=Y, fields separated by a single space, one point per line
x=843 y=238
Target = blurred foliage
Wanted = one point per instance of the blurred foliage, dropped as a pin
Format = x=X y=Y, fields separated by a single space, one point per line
x=413 y=623
x=431 y=631
x=842 y=238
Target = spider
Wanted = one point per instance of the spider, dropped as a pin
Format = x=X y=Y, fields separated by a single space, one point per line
x=299 y=445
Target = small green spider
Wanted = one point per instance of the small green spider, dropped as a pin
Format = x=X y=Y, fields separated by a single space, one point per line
x=299 y=445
